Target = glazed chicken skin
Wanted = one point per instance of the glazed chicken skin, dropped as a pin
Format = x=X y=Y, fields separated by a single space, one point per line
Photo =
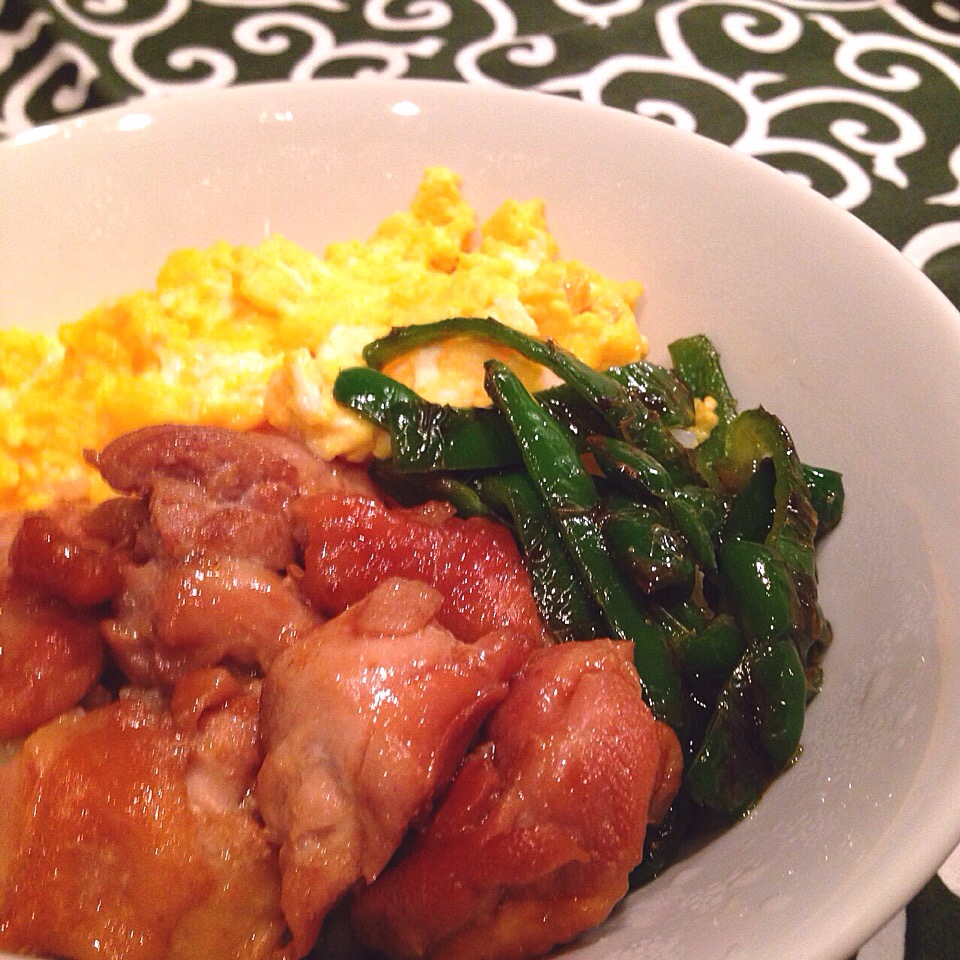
x=50 y=656
x=352 y=543
x=364 y=721
x=127 y=831
x=206 y=581
x=222 y=491
x=176 y=616
x=534 y=842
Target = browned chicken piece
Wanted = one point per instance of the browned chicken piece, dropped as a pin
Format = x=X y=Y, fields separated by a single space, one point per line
x=194 y=565
x=50 y=656
x=176 y=616
x=352 y=543
x=53 y=553
x=363 y=722
x=534 y=841
x=128 y=832
x=221 y=490
x=192 y=571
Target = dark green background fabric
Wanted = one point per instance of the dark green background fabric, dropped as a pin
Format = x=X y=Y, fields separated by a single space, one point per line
x=862 y=99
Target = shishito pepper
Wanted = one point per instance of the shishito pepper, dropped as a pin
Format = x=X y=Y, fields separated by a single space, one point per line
x=635 y=469
x=697 y=363
x=617 y=403
x=593 y=385
x=427 y=436
x=411 y=489
x=755 y=440
x=753 y=437
x=645 y=547
x=566 y=607
x=768 y=582
x=430 y=436
x=754 y=732
x=825 y=488
x=640 y=473
x=709 y=655
x=555 y=467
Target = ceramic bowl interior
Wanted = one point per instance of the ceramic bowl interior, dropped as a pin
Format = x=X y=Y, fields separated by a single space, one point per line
x=816 y=318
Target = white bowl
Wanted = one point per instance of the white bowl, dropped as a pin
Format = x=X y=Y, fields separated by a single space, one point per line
x=815 y=316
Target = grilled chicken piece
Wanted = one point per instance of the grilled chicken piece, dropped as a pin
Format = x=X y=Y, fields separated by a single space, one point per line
x=176 y=616
x=204 y=576
x=221 y=490
x=129 y=832
x=50 y=656
x=353 y=543
x=534 y=841
x=363 y=722
x=54 y=554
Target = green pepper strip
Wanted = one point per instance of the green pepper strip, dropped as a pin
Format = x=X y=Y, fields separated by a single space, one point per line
x=751 y=513
x=759 y=718
x=697 y=363
x=711 y=654
x=635 y=469
x=410 y=489
x=759 y=589
x=554 y=465
x=640 y=473
x=755 y=436
x=619 y=407
x=659 y=389
x=736 y=762
x=780 y=699
x=427 y=436
x=594 y=386
x=645 y=548
x=567 y=608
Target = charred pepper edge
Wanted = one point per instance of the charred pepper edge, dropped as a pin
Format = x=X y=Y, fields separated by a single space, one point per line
x=555 y=467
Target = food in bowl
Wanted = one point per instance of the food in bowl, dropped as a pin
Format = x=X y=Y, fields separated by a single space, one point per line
x=308 y=641
x=246 y=337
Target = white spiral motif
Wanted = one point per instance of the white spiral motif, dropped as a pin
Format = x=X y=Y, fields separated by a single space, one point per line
x=23 y=38
x=418 y=15
x=672 y=113
x=259 y=34
x=898 y=77
x=920 y=250
x=65 y=99
x=534 y=51
x=91 y=21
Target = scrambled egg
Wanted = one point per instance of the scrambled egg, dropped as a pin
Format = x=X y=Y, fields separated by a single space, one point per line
x=246 y=336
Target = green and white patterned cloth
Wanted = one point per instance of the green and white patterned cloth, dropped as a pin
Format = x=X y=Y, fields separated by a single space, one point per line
x=860 y=98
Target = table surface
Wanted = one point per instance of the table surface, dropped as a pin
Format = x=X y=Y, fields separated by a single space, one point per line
x=861 y=98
